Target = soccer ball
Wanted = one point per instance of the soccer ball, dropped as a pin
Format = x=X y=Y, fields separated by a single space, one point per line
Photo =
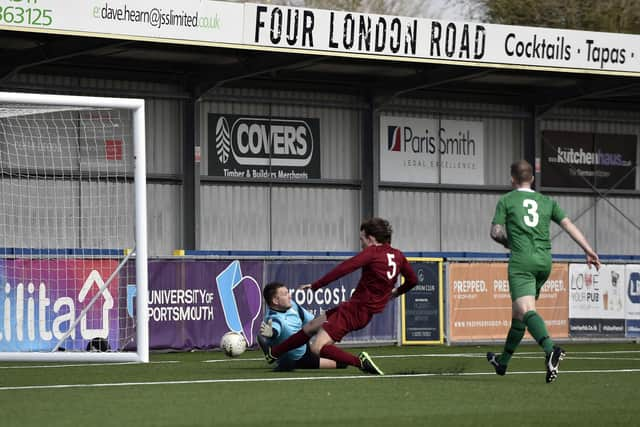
x=233 y=344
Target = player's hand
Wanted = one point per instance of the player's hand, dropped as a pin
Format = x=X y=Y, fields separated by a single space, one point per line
x=593 y=259
x=266 y=329
x=304 y=287
x=394 y=293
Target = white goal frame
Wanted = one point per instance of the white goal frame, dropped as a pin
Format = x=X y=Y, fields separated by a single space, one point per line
x=136 y=106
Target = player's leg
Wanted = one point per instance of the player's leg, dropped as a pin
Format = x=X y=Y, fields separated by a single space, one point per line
x=343 y=319
x=520 y=284
x=323 y=346
x=553 y=353
x=296 y=340
x=533 y=320
x=312 y=361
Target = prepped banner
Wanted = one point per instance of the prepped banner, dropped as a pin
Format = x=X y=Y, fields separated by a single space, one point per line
x=480 y=304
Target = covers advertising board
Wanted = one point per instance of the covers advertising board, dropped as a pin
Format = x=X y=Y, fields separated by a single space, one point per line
x=433 y=151
x=260 y=147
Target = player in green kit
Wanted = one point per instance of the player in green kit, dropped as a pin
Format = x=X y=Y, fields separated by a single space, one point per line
x=521 y=223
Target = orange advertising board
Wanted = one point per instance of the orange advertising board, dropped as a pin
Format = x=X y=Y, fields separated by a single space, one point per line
x=480 y=304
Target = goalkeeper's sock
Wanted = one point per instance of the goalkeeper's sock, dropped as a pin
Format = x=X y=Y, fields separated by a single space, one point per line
x=332 y=352
x=515 y=335
x=294 y=341
x=538 y=330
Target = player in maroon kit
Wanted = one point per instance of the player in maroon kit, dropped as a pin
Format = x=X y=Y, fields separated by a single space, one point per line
x=381 y=264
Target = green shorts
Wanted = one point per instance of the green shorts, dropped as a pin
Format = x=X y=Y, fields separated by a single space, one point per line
x=527 y=279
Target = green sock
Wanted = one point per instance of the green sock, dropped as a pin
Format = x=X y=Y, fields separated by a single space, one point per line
x=538 y=330
x=515 y=335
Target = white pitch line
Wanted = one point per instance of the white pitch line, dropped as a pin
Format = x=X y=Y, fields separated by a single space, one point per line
x=288 y=379
x=233 y=360
x=524 y=354
x=84 y=365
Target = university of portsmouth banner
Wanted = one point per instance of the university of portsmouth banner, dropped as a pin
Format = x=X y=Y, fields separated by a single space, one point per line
x=295 y=273
x=582 y=160
x=596 y=300
x=480 y=304
x=421 y=308
x=193 y=303
x=41 y=299
x=263 y=147
x=431 y=150
x=631 y=291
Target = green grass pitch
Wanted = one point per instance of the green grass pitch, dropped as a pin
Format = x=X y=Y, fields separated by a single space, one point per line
x=423 y=386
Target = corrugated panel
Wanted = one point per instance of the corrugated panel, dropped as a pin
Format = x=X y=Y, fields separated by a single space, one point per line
x=466 y=222
x=107 y=215
x=163 y=109
x=597 y=114
x=340 y=127
x=86 y=86
x=234 y=217
x=165 y=217
x=315 y=219
x=39 y=213
x=256 y=217
x=504 y=139
x=580 y=210
x=414 y=216
x=164 y=122
x=618 y=230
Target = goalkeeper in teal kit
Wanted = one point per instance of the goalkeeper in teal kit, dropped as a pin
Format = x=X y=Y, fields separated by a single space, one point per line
x=283 y=318
x=521 y=223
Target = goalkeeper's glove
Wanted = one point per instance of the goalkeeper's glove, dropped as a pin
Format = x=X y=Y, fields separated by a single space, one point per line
x=266 y=329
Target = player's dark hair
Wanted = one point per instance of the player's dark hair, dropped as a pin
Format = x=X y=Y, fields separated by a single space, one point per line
x=270 y=290
x=378 y=228
x=521 y=171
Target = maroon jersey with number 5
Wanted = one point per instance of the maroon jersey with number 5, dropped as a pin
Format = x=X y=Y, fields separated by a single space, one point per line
x=380 y=265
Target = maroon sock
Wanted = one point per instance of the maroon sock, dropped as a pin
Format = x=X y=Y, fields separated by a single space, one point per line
x=340 y=356
x=294 y=341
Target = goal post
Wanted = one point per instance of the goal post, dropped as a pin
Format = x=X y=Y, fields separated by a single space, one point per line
x=73 y=229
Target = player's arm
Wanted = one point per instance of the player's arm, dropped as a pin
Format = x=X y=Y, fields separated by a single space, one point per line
x=499 y=234
x=498 y=230
x=342 y=269
x=410 y=279
x=575 y=233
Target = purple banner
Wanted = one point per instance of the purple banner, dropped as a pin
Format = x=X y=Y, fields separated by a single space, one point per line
x=193 y=303
x=383 y=326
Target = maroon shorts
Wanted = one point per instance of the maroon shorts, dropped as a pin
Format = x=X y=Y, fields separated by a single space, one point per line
x=346 y=317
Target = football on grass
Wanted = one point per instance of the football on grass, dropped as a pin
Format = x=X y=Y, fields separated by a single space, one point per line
x=233 y=344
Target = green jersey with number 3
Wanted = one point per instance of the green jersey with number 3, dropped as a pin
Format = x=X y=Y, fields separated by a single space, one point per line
x=527 y=216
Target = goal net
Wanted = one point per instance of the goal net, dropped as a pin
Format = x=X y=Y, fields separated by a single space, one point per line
x=73 y=245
